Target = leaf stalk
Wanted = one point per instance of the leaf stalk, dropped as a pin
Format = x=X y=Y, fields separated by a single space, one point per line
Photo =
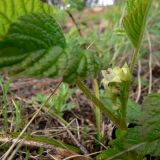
x=100 y=105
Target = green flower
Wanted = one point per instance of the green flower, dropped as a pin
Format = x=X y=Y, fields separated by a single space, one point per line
x=116 y=75
x=113 y=81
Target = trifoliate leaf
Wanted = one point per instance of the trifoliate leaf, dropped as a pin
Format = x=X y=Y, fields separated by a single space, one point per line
x=143 y=139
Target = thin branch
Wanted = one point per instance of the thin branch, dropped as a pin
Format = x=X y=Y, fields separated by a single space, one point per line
x=65 y=124
x=75 y=23
x=16 y=149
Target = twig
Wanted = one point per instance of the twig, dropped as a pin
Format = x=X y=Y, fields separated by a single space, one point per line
x=16 y=149
x=28 y=124
x=82 y=148
x=139 y=81
x=75 y=23
x=65 y=124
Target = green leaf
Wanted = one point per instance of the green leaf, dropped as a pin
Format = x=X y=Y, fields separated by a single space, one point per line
x=151 y=117
x=120 y=144
x=36 y=47
x=141 y=140
x=33 y=43
x=134 y=22
x=10 y=10
x=133 y=112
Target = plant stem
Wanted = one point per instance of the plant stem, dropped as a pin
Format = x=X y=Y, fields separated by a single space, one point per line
x=100 y=105
x=75 y=23
x=133 y=61
x=97 y=111
x=126 y=90
x=124 y=101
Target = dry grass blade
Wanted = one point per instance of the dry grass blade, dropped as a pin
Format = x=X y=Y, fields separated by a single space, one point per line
x=23 y=142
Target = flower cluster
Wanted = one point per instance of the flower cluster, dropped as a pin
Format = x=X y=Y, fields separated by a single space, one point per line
x=114 y=79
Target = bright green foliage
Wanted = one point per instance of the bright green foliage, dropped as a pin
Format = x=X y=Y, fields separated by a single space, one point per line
x=10 y=10
x=35 y=46
x=134 y=22
x=57 y=102
x=146 y=136
x=123 y=142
